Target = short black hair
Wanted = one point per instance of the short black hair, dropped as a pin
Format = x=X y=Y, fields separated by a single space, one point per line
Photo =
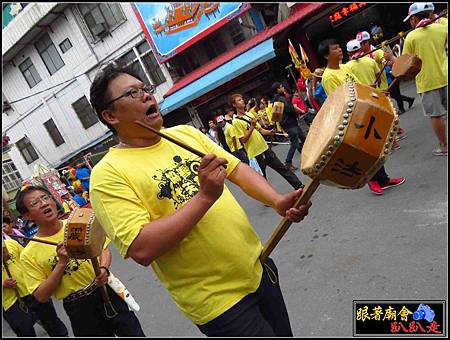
x=324 y=47
x=6 y=220
x=20 y=205
x=100 y=94
x=275 y=86
x=422 y=15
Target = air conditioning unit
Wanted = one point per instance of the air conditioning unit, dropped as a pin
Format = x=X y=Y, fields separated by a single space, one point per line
x=100 y=30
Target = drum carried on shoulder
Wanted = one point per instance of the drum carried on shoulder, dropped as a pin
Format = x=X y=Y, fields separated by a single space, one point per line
x=406 y=67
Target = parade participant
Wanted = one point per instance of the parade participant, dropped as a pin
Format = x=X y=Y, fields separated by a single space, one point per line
x=317 y=91
x=336 y=76
x=250 y=133
x=364 y=38
x=213 y=131
x=9 y=229
x=83 y=174
x=78 y=197
x=20 y=309
x=365 y=69
x=428 y=43
x=289 y=123
x=231 y=141
x=335 y=73
x=51 y=272
x=164 y=207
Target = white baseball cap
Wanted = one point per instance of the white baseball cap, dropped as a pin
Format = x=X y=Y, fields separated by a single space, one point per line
x=353 y=45
x=220 y=119
x=418 y=7
x=363 y=36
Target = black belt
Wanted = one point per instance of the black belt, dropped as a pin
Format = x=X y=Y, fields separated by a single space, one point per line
x=81 y=293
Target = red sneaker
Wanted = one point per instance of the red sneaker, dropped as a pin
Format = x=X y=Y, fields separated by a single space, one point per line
x=401 y=134
x=393 y=183
x=375 y=188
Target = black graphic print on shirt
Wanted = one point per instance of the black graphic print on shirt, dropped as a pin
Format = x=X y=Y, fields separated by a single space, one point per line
x=71 y=267
x=179 y=182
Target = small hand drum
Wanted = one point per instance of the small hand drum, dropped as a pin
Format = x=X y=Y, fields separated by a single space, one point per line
x=350 y=137
x=83 y=236
x=277 y=111
x=406 y=67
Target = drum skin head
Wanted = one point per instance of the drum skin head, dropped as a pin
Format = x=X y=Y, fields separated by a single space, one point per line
x=350 y=137
x=406 y=67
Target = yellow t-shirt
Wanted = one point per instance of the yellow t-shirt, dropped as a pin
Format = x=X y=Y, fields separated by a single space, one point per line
x=333 y=78
x=217 y=263
x=17 y=272
x=379 y=59
x=230 y=133
x=256 y=143
x=39 y=259
x=365 y=69
x=428 y=43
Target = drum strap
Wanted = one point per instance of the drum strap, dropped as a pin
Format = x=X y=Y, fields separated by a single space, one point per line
x=245 y=120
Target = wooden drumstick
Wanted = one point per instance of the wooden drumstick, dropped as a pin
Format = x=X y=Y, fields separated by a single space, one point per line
x=285 y=223
x=184 y=146
x=34 y=239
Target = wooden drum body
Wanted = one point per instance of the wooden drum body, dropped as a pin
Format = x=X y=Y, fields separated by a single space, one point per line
x=83 y=236
x=406 y=67
x=277 y=111
x=350 y=137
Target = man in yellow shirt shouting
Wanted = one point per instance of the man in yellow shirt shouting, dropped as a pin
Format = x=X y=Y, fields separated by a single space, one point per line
x=163 y=206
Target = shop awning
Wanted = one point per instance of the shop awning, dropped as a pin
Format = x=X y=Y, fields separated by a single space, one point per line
x=85 y=147
x=224 y=73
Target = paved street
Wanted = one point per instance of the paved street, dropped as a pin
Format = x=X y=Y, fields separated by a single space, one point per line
x=353 y=245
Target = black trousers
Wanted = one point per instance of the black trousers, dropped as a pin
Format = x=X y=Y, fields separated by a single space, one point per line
x=46 y=313
x=88 y=318
x=381 y=176
x=260 y=314
x=21 y=323
x=242 y=155
x=399 y=98
x=269 y=158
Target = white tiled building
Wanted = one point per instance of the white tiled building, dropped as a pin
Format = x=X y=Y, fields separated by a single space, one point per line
x=51 y=52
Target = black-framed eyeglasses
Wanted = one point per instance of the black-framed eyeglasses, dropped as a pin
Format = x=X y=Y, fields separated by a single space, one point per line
x=134 y=93
x=43 y=198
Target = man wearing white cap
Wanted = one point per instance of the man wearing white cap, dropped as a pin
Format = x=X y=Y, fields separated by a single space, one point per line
x=364 y=38
x=365 y=68
x=428 y=43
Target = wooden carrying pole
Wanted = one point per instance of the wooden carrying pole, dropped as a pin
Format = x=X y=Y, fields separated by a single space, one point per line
x=22 y=304
x=401 y=35
x=284 y=224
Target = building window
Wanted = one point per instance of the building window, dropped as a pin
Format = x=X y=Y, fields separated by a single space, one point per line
x=236 y=33
x=100 y=18
x=49 y=54
x=54 y=133
x=65 y=45
x=29 y=72
x=148 y=59
x=27 y=150
x=11 y=178
x=85 y=112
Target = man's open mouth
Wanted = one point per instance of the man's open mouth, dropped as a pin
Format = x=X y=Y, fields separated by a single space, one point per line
x=48 y=211
x=152 y=109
